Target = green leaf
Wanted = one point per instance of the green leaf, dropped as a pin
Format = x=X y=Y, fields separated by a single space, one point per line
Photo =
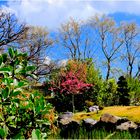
x=4 y=57
x=45 y=122
x=11 y=52
x=2 y=133
x=15 y=93
x=5 y=92
x=23 y=72
x=10 y=118
x=30 y=68
x=19 y=136
x=21 y=84
x=5 y=131
x=36 y=134
x=1 y=59
x=17 y=62
x=32 y=76
x=5 y=69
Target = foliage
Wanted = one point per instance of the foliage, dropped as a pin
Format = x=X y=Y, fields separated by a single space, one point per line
x=123 y=91
x=70 y=84
x=67 y=81
x=110 y=92
x=79 y=68
x=22 y=114
x=134 y=86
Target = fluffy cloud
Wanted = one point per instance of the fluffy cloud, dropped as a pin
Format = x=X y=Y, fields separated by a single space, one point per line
x=62 y=63
x=52 y=13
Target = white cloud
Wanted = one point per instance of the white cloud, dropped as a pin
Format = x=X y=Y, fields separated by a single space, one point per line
x=52 y=13
x=62 y=63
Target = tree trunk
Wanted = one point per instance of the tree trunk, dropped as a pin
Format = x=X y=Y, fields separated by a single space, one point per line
x=108 y=70
x=130 y=72
x=73 y=106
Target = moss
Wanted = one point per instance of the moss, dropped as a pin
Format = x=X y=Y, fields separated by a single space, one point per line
x=131 y=112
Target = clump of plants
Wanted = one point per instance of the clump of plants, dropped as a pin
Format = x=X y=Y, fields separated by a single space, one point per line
x=23 y=115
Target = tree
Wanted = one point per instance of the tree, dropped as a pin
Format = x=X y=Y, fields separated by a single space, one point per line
x=79 y=68
x=11 y=31
x=36 y=42
x=131 y=54
x=74 y=37
x=109 y=39
x=123 y=91
x=72 y=85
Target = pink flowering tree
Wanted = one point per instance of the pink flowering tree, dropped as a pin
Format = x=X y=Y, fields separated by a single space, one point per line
x=70 y=84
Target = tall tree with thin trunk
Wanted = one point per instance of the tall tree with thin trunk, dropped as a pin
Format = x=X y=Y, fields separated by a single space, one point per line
x=131 y=55
x=74 y=37
x=109 y=39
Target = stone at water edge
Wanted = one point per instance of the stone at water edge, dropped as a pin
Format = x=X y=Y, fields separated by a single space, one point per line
x=108 y=118
x=127 y=125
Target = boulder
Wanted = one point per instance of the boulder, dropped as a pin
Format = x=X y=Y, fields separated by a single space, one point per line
x=68 y=127
x=65 y=115
x=108 y=118
x=65 y=121
x=94 y=108
x=67 y=124
x=90 y=121
x=89 y=124
x=127 y=125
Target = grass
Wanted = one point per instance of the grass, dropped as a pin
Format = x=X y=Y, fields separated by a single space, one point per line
x=96 y=134
x=131 y=112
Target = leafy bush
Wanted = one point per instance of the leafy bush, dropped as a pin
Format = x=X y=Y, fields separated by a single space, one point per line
x=134 y=87
x=22 y=114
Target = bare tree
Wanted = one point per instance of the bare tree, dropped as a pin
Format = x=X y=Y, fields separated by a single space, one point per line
x=36 y=42
x=109 y=39
x=74 y=37
x=11 y=30
x=132 y=46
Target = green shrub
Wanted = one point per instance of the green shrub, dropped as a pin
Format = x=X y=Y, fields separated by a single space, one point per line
x=22 y=114
x=134 y=87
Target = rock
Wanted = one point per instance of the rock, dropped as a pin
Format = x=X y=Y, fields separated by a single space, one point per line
x=65 y=121
x=122 y=120
x=89 y=124
x=65 y=115
x=108 y=118
x=90 y=121
x=68 y=127
x=127 y=125
x=94 y=108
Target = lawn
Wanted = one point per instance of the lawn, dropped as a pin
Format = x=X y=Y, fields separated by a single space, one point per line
x=131 y=112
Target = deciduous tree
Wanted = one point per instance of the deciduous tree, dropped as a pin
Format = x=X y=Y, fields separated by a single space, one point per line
x=109 y=39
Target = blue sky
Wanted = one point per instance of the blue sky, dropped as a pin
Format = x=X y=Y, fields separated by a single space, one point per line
x=51 y=13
